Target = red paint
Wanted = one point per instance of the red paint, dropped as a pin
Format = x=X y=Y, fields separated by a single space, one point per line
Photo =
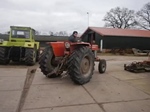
x=58 y=48
x=95 y=47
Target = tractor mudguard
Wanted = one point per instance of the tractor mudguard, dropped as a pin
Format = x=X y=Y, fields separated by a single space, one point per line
x=80 y=43
x=95 y=47
x=58 y=48
x=75 y=45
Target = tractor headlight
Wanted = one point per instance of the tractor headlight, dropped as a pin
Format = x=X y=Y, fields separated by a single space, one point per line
x=67 y=45
x=1 y=40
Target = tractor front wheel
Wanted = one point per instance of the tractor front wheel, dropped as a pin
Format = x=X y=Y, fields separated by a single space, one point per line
x=3 y=56
x=46 y=62
x=30 y=56
x=102 y=66
x=81 y=65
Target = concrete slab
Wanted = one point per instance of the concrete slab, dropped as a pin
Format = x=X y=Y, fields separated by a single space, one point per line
x=79 y=108
x=125 y=75
x=142 y=84
x=42 y=79
x=16 y=65
x=97 y=77
x=13 y=71
x=122 y=58
x=114 y=90
x=114 y=66
x=132 y=106
x=9 y=100
x=12 y=78
x=116 y=69
x=41 y=96
x=12 y=83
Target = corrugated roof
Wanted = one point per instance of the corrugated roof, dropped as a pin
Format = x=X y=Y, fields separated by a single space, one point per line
x=120 y=32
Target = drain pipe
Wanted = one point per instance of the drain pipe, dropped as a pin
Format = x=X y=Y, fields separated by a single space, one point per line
x=101 y=45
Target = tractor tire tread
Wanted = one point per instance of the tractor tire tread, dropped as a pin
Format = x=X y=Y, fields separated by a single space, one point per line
x=74 y=65
x=100 y=67
x=44 y=60
x=29 y=59
x=3 y=56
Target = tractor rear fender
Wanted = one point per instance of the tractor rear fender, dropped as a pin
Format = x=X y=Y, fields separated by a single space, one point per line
x=58 y=48
x=79 y=44
x=95 y=47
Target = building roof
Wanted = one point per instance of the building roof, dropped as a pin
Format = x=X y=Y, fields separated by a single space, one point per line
x=118 y=32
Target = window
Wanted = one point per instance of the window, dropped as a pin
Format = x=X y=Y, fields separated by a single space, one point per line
x=20 y=34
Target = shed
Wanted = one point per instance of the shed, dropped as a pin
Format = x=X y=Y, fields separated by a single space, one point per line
x=111 y=38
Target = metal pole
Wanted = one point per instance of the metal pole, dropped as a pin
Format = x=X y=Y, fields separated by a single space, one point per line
x=88 y=18
x=101 y=45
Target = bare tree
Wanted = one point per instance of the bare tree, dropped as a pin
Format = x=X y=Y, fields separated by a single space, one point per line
x=120 y=18
x=143 y=17
x=37 y=32
x=56 y=34
x=65 y=33
x=51 y=33
x=61 y=33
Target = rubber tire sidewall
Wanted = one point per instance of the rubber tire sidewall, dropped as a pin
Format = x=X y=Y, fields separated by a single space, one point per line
x=75 y=65
x=4 y=54
x=45 y=62
x=30 y=58
x=100 y=66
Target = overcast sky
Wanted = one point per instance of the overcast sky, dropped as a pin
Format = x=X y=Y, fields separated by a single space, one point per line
x=59 y=15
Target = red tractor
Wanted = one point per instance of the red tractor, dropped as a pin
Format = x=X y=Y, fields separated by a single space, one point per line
x=77 y=59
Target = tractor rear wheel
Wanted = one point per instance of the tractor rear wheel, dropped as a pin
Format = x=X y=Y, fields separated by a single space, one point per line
x=102 y=66
x=30 y=56
x=81 y=65
x=3 y=56
x=46 y=64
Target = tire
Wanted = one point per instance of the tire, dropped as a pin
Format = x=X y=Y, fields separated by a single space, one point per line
x=81 y=65
x=3 y=56
x=38 y=55
x=13 y=60
x=45 y=62
x=125 y=67
x=30 y=56
x=102 y=66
